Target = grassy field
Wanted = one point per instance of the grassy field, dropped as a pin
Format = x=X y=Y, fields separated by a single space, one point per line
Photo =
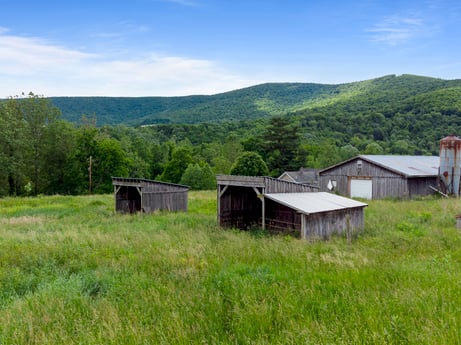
x=73 y=272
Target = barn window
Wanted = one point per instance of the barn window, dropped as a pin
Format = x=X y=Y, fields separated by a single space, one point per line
x=359 y=166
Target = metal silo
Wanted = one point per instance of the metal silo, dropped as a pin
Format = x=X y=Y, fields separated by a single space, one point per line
x=450 y=161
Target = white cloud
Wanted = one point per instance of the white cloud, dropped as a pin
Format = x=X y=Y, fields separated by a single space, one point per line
x=396 y=30
x=31 y=64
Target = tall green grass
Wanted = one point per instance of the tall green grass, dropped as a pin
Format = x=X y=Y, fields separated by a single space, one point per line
x=74 y=272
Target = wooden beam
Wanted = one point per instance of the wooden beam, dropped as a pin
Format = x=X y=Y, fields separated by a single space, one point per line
x=221 y=192
x=140 y=194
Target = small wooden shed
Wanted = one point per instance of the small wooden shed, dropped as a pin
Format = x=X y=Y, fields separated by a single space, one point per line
x=314 y=215
x=134 y=195
x=382 y=176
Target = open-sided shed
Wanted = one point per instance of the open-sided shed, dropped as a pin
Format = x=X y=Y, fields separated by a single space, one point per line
x=141 y=195
x=287 y=207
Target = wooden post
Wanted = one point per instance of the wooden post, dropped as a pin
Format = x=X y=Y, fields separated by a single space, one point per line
x=260 y=196
x=303 y=226
x=221 y=192
x=348 y=228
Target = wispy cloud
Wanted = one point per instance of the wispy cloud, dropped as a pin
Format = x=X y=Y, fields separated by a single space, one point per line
x=397 y=29
x=182 y=2
x=22 y=55
x=124 y=29
x=31 y=64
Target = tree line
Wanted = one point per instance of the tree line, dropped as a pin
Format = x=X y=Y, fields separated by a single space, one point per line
x=40 y=153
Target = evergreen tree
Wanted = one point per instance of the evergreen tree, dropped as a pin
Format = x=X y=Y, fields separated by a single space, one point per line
x=281 y=145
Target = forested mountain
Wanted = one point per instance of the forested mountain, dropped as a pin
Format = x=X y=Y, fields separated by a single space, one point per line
x=385 y=95
x=52 y=145
x=249 y=103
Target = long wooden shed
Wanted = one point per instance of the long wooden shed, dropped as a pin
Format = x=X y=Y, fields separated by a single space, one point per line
x=382 y=176
x=285 y=207
x=134 y=195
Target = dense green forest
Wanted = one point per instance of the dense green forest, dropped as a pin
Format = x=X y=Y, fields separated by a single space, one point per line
x=47 y=144
x=386 y=95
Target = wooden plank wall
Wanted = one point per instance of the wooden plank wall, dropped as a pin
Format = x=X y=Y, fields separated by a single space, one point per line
x=273 y=185
x=169 y=201
x=420 y=186
x=324 y=225
x=282 y=219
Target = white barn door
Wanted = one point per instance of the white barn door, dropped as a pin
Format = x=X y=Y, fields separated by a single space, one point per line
x=361 y=188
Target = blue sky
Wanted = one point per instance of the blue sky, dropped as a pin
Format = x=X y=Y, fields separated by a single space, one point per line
x=184 y=47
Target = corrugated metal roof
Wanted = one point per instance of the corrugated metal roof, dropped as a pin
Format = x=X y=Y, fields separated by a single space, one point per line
x=410 y=166
x=315 y=202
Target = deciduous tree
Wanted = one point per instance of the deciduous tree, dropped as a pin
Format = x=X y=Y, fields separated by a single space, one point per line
x=249 y=164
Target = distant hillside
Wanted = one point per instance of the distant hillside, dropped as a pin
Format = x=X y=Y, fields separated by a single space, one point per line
x=243 y=104
x=385 y=94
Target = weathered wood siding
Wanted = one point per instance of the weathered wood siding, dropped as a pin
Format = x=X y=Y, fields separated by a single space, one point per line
x=323 y=225
x=385 y=183
x=273 y=185
x=169 y=201
x=141 y=195
x=420 y=186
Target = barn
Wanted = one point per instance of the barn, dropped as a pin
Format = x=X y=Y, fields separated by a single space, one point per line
x=134 y=195
x=382 y=176
x=285 y=207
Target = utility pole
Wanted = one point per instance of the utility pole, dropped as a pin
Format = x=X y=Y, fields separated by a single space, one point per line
x=89 y=174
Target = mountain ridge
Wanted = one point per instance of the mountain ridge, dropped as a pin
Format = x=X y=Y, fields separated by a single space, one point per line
x=250 y=103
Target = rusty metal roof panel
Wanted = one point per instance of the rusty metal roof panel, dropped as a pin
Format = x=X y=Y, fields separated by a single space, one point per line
x=410 y=166
x=314 y=202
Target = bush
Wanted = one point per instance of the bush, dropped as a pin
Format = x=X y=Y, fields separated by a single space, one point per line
x=199 y=177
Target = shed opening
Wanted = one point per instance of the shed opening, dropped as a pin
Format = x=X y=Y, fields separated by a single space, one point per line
x=128 y=199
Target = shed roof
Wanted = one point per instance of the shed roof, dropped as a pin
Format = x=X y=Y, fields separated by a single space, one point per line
x=303 y=175
x=409 y=166
x=315 y=202
x=271 y=184
x=140 y=182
